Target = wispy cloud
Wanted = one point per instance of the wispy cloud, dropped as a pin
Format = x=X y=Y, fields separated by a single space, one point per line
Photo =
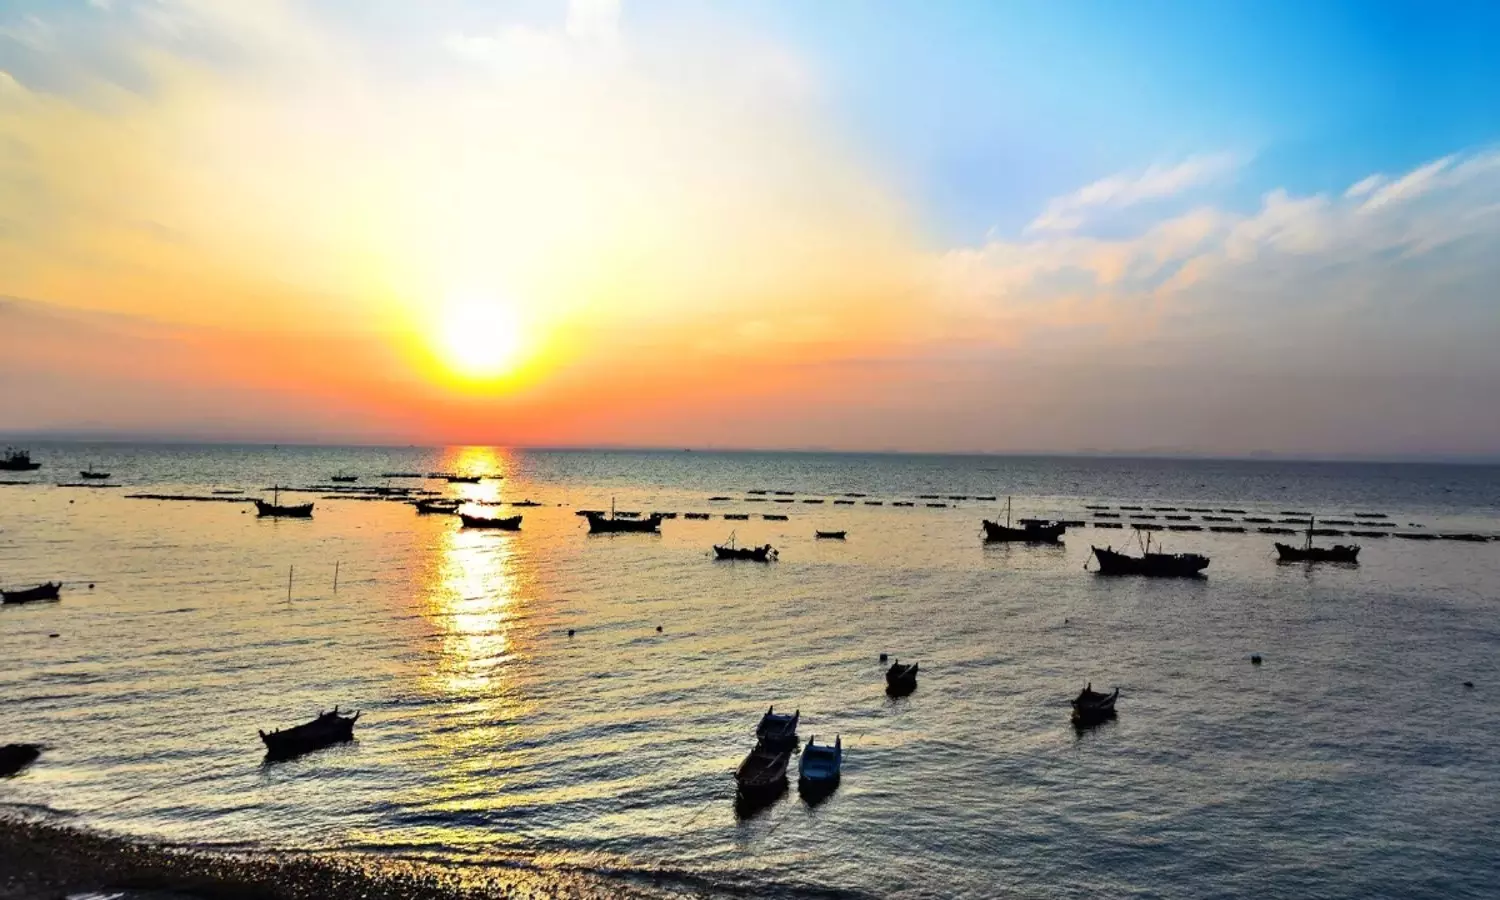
x=1129 y=188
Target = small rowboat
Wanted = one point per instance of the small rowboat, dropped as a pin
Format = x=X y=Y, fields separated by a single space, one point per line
x=778 y=731
x=462 y=479
x=763 y=553
x=327 y=729
x=15 y=757
x=1091 y=707
x=511 y=523
x=820 y=766
x=92 y=475
x=901 y=679
x=48 y=591
x=763 y=772
x=272 y=510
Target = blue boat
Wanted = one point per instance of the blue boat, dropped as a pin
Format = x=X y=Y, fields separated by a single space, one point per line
x=820 y=765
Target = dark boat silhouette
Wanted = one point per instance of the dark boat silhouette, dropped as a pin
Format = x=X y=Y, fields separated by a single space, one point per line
x=1091 y=707
x=18 y=461
x=763 y=553
x=49 y=591
x=436 y=507
x=1343 y=553
x=92 y=474
x=831 y=535
x=1032 y=531
x=327 y=729
x=462 y=479
x=509 y=523
x=15 y=757
x=762 y=774
x=777 y=731
x=901 y=679
x=1155 y=565
x=601 y=524
x=275 y=510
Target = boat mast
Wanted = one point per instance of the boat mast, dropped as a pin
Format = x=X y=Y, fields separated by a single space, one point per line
x=1310 y=520
x=1007 y=512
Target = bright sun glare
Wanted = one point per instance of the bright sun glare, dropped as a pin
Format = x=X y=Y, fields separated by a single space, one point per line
x=481 y=336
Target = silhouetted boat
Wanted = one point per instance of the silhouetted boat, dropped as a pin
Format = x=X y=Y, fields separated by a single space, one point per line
x=1091 y=707
x=275 y=510
x=778 y=731
x=831 y=535
x=774 y=517
x=600 y=524
x=1344 y=553
x=436 y=507
x=737 y=516
x=899 y=678
x=15 y=757
x=763 y=553
x=49 y=591
x=17 y=461
x=1158 y=565
x=691 y=515
x=327 y=729
x=526 y=504
x=763 y=771
x=1032 y=531
x=92 y=474
x=820 y=765
x=342 y=478
x=462 y=479
x=511 y=523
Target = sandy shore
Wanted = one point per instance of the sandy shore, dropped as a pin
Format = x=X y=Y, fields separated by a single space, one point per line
x=46 y=861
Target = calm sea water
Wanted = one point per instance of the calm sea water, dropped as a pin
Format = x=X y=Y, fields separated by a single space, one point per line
x=1353 y=763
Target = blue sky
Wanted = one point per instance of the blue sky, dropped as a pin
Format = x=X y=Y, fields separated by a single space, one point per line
x=1217 y=226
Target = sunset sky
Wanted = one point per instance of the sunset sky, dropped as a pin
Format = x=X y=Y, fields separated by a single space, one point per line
x=1023 y=226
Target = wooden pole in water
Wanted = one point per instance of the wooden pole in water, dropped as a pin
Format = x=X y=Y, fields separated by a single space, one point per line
x=335 y=576
x=289 y=583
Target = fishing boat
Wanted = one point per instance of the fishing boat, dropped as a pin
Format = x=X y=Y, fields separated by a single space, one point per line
x=601 y=524
x=15 y=757
x=1159 y=565
x=763 y=553
x=778 y=731
x=327 y=729
x=17 y=461
x=774 y=517
x=1091 y=707
x=820 y=765
x=831 y=535
x=436 y=507
x=274 y=509
x=1344 y=553
x=901 y=678
x=49 y=591
x=763 y=772
x=1032 y=531
x=343 y=478
x=689 y=515
x=92 y=474
x=526 y=503
x=511 y=523
x=462 y=479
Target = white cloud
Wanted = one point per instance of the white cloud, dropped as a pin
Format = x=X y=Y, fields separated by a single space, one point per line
x=105 y=5
x=30 y=32
x=1413 y=184
x=1127 y=189
x=1364 y=186
x=593 y=20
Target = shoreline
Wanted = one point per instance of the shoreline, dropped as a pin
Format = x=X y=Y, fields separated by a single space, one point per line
x=41 y=860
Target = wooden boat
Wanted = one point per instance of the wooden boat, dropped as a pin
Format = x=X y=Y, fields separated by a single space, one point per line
x=763 y=553
x=600 y=524
x=777 y=731
x=327 y=729
x=275 y=510
x=49 y=591
x=1157 y=565
x=18 y=461
x=831 y=535
x=1090 y=706
x=901 y=678
x=462 y=479
x=343 y=479
x=436 y=507
x=92 y=474
x=763 y=771
x=15 y=757
x=820 y=765
x=511 y=523
x=1032 y=531
x=1344 y=553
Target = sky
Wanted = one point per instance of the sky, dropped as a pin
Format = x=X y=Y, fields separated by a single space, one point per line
x=1212 y=228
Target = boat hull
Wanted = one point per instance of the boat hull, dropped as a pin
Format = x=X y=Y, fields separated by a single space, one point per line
x=599 y=524
x=324 y=731
x=1344 y=553
x=511 y=523
x=272 y=511
x=15 y=757
x=1152 y=565
x=1091 y=708
x=748 y=554
x=49 y=591
x=16 y=466
x=996 y=533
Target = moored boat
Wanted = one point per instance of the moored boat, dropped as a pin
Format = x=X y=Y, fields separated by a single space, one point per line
x=49 y=591
x=1158 y=565
x=1344 y=553
x=820 y=765
x=901 y=678
x=778 y=731
x=763 y=553
x=276 y=510
x=18 y=461
x=436 y=507
x=509 y=523
x=831 y=535
x=92 y=474
x=763 y=771
x=327 y=729
x=601 y=524
x=1032 y=531
x=1091 y=707
x=15 y=757
x=343 y=478
x=462 y=479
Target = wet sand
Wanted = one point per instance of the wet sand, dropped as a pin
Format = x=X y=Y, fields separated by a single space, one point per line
x=45 y=861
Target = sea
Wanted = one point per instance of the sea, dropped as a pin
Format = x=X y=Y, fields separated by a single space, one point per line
x=550 y=701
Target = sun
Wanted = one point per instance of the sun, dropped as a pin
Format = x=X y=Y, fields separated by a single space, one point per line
x=480 y=336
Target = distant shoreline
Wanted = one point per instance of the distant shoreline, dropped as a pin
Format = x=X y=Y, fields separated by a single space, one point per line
x=42 y=860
